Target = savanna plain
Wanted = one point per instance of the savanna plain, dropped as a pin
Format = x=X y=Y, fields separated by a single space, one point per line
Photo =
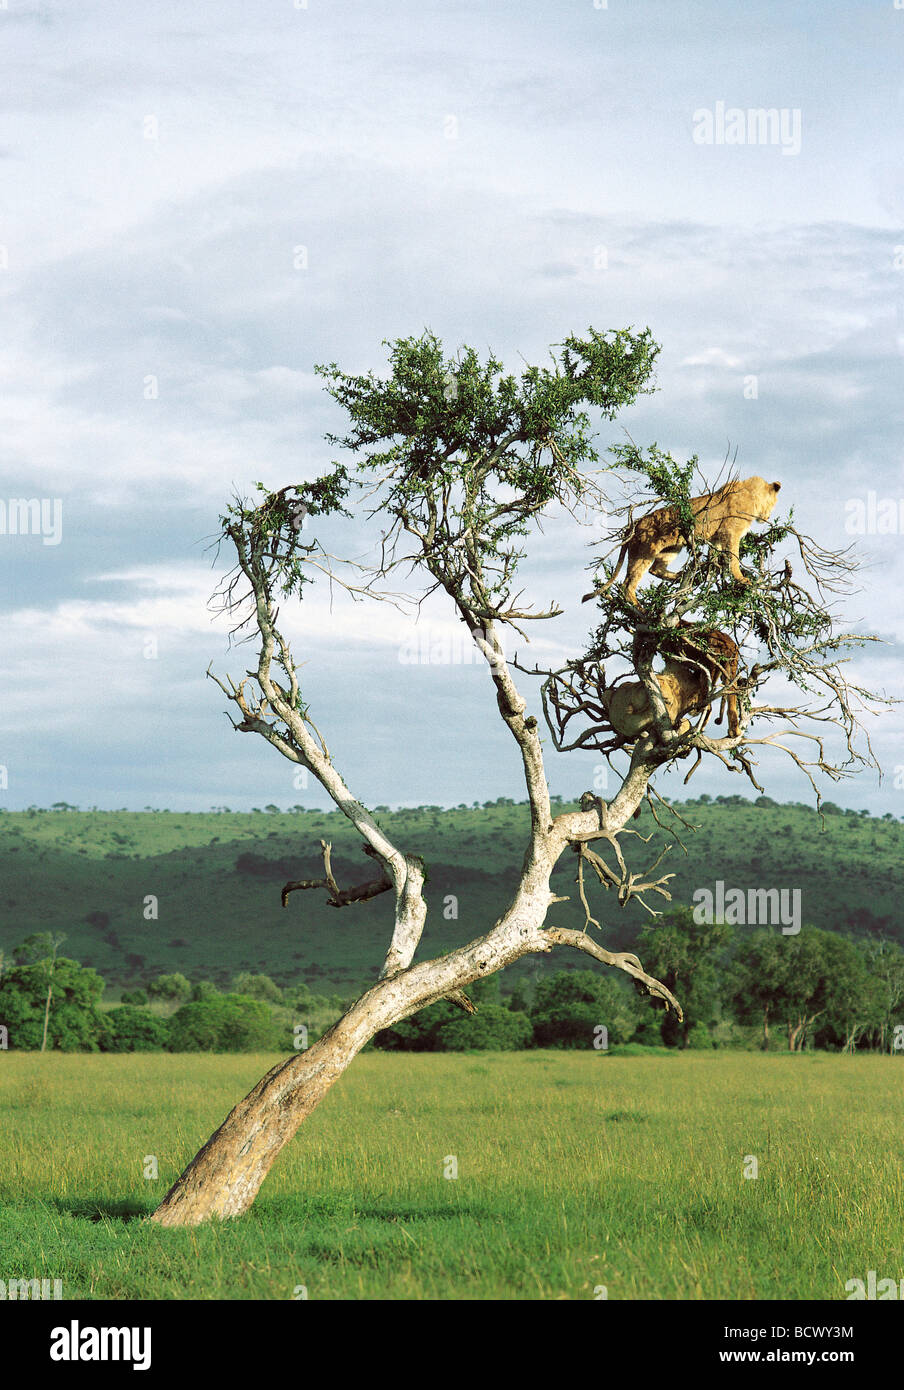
x=579 y=1176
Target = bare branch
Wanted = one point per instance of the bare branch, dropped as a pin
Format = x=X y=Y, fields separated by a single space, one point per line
x=336 y=896
x=622 y=960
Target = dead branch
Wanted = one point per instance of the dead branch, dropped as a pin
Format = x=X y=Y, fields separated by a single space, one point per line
x=621 y=960
x=336 y=896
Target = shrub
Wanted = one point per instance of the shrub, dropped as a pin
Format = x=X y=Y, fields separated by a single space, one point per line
x=570 y=1005
x=700 y=1038
x=225 y=1023
x=420 y=1033
x=170 y=987
x=134 y=996
x=75 y=1023
x=257 y=987
x=132 y=1029
x=494 y=1028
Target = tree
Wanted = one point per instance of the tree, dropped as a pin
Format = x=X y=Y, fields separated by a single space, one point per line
x=257 y=987
x=33 y=948
x=813 y=976
x=75 y=1024
x=133 y=996
x=570 y=1006
x=419 y=1033
x=442 y=1028
x=458 y=463
x=853 y=994
x=494 y=1028
x=133 y=1029
x=757 y=979
x=170 y=988
x=225 y=1023
x=885 y=962
x=685 y=953
x=202 y=989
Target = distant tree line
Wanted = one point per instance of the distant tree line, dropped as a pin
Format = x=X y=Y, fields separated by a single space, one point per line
x=48 y=1001
x=826 y=808
x=739 y=987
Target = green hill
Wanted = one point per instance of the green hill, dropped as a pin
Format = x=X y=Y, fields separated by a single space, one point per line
x=216 y=879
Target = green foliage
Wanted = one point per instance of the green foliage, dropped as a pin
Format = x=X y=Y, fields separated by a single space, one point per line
x=257 y=987
x=463 y=455
x=756 y=980
x=476 y=857
x=885 y=963
x=170 y=987
x=225 y=1023
x=671 y=482
x=420 y=1032
x=132 y=1029
x=519 y=999
x=39 y=946
x=439 y=417
x=134 y=996
x=298 y=996
x=493 y=1028
x=699 y=1038
x=443 y=1027
x=570 y=1005
x=203 y=989
x=817 y=984
x=75 y=1023
x=685 y=955
x=853 y=995
x=486 y=990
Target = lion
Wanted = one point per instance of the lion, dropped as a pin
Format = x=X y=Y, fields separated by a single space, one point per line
x=721 y=519
x=686 y=685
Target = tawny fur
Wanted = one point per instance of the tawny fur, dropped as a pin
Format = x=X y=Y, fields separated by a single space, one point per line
x=721 y=519
x=685 y=687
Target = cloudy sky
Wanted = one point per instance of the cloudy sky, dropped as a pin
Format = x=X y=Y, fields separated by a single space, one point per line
x=502 y=173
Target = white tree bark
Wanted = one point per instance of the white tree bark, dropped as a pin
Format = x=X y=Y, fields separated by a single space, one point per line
x=224 y=1178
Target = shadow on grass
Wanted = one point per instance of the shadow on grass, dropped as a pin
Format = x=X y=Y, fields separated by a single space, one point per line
x=90 y=1209
x=301 y=1208
x=291 y=1210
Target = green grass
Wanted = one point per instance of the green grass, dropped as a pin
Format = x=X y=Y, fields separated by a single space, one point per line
x=574 y=1171
x=218 y=877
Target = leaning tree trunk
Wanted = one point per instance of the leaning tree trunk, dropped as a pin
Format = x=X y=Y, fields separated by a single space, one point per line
x=224 y=1177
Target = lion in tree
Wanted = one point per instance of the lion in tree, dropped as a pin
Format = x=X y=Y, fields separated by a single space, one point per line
x=686 y=682
x=721 y=519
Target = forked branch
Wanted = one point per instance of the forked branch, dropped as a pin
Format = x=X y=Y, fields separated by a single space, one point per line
x=336 y=896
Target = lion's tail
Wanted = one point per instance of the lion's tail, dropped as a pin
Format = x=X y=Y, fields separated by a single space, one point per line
x=597 y=593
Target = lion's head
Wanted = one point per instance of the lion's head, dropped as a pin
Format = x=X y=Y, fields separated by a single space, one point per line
x=763 y=497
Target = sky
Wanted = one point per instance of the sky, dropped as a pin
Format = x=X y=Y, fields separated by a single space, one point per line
x=199 y=203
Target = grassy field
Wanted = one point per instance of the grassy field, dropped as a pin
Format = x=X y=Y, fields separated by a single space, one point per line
x=574 y=1171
